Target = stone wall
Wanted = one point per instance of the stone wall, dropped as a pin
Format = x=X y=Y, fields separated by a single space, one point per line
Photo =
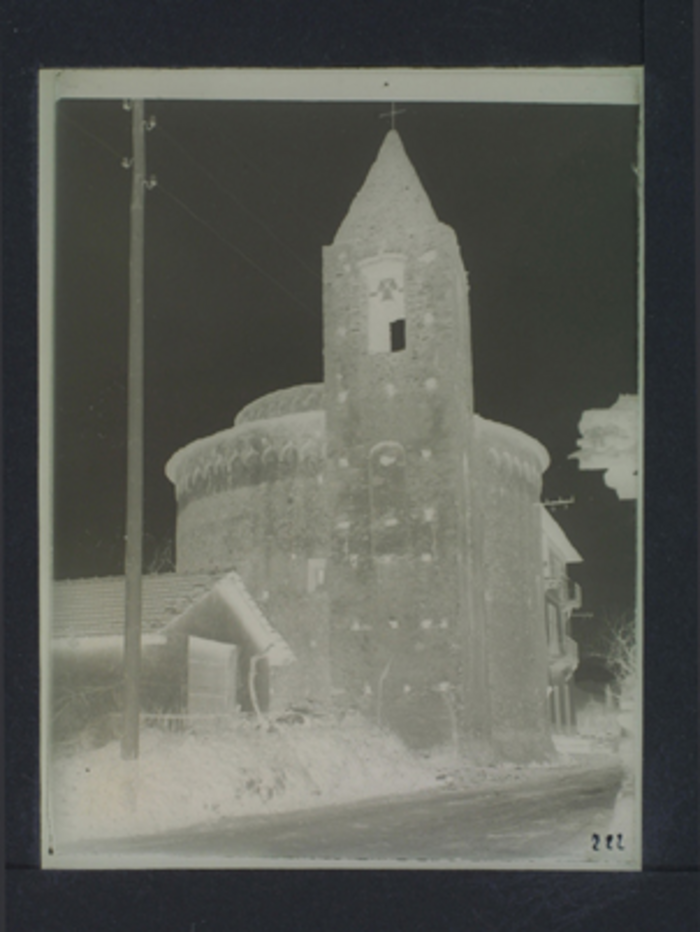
x=509 y=482
x=251 y=454
x=266 y=519
x=398 y=428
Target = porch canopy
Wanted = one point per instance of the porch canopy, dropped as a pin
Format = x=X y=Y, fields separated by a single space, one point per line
x=228 y=613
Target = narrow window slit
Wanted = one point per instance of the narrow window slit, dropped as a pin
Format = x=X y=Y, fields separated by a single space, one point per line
x=398 y=335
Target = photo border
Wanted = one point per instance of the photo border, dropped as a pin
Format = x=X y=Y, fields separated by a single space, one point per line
x=570 y=33
x=605 y=87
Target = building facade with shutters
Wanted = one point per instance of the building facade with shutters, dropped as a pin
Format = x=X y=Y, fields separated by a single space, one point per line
x=562 y=598
x=389 y=534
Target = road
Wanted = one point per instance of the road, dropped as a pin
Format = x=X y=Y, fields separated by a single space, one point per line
x=551 y=815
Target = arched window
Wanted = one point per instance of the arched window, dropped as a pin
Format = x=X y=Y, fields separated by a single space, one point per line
x=310 y=458
x=269 y=464
x=235 y=469
x=288 y=459
x=387 y=491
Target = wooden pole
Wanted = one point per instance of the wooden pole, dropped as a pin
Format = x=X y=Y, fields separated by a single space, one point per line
x=134 y=491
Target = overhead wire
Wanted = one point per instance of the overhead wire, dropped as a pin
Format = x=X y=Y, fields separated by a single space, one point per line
x=195 y=216
x=304 y=216
x=261 y=223
x=239 y=252
x=96 y=139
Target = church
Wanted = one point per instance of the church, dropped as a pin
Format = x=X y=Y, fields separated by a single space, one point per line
x=389 y=536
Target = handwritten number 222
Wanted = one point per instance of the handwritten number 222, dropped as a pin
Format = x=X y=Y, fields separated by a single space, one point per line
x=609 y=842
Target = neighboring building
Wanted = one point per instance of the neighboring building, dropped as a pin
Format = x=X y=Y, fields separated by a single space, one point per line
x=562 y=597
x=87 y=646
x=82 y=609
x=199 y=634
x=389 y=534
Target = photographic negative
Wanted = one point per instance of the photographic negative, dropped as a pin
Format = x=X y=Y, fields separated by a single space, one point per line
x=340 y=461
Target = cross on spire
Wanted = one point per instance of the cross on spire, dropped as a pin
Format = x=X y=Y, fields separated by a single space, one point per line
x=393 y=113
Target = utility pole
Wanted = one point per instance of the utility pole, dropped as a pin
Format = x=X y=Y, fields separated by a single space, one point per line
x=134 y=480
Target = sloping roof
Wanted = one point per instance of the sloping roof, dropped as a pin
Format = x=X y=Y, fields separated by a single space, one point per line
x=525 y=444
x=554 y=533
x=95 y=607
x=391 y=198
x=308 y=397
x=229 y=612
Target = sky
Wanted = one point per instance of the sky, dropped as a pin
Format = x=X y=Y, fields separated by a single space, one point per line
x=543 y=199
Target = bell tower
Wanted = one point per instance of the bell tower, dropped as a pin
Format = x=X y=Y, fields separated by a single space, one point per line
x=404 y=577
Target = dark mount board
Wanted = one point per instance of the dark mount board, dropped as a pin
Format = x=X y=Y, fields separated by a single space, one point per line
x=656 y=34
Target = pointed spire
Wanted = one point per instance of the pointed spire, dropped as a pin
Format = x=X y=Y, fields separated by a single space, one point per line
x=392 y=199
